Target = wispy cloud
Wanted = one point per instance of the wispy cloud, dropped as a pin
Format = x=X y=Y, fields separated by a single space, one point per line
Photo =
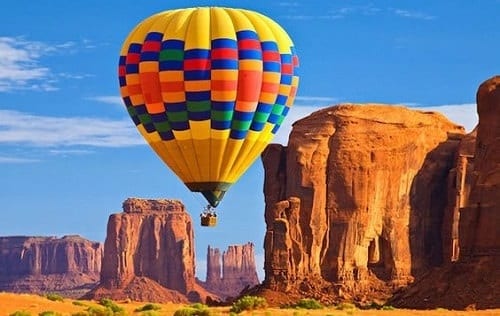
x=21 y=68
x=462 y=114
x=412 y=14
x=303 y=99
x=16 y=160
x=18 y=128
x=109 y=99
x=360 y=10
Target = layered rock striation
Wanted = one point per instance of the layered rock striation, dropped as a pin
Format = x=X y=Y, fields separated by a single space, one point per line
x=69 y=265
x=356 y=199
x=472 y=279
x=236 y=273
x=149 y=246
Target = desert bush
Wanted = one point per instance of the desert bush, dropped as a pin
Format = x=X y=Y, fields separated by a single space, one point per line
x=248 y=303
x=20 y=313
x=109 y=304
x=190 y=311
x=344 y=306
x=54 y=297
x=99 y=311
x=387 y=308
x=80 y=314
x=49 y=313
x=148 y=307
x=79 y=303
x=150 y=313
x=308 y=303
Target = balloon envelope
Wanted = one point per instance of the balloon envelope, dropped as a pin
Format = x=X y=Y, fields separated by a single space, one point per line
x=208 y=88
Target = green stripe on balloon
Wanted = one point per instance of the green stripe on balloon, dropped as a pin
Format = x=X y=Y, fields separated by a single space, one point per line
x=178 y=116
x=198 y=106
x=222 y=115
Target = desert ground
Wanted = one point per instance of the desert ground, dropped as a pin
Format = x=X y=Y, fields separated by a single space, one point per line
x=40 y=305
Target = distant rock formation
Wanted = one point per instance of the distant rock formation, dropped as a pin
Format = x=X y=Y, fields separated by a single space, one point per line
x=236 y=273
x=473 y=281
x=148 y=247
x=69 y=265
x=355 y=203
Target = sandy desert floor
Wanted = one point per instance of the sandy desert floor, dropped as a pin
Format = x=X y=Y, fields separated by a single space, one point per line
x=35 y=305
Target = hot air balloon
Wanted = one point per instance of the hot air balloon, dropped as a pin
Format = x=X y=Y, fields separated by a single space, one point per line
x=208 y=88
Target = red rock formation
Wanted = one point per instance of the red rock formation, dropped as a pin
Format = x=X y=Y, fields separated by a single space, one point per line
x=152 y=239
x=474 y=280
x=67 y=265
x=358 y=195
x=238 y=270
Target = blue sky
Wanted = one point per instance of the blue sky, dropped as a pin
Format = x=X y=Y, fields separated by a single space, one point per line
x=70 y=155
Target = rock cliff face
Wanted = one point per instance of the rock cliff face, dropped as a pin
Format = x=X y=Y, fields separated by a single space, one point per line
x=358 y=196
x=67 y=265
x=473 y=280
x=151 y=240
x=238 y=270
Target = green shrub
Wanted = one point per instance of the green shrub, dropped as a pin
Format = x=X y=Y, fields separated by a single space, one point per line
x=189 y=311
x=79 y=303
x=344 y=306
x=308 y=303
x=49 y=313
x=54 y=297
x=248 y=303
x=150 y=313
x=80 y=314
x=20 y=313
x=109 y=304
x=148 y=307
x=387 y=308
x=99 y=311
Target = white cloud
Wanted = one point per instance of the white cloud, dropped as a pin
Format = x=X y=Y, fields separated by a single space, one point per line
x=20 y=64
x=47 y=131
x=362 y=10
x=110 y=99
x=16 y=160
x=412 y=14
x=296 y=113
x=462 y=114
x=300 y=99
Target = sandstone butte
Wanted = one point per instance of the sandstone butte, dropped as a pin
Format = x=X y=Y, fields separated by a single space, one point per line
x=355 y=202
x=149 y=254
x=69 y=265
x=473 y=279
x=237 y=272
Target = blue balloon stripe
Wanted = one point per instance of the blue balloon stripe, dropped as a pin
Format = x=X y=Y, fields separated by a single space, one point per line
x=150 y=56
x=172 y=44
x=154 y=36
x=197 y=95
x=171 y=65
x=197 y=54
x=220 y=125
x=237 y=134
x=168 y=135
x=225 y=64
x=224 y=43
x=246 y=34
x=197 y=75
x=250 y=54
x=135 y=48
x=199 y=116
x=222 y=106
x=243 y=116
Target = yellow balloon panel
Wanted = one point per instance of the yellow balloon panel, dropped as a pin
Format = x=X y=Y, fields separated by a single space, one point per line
x=208 y=88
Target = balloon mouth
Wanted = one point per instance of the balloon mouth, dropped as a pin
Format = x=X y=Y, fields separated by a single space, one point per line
x=212 y=191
